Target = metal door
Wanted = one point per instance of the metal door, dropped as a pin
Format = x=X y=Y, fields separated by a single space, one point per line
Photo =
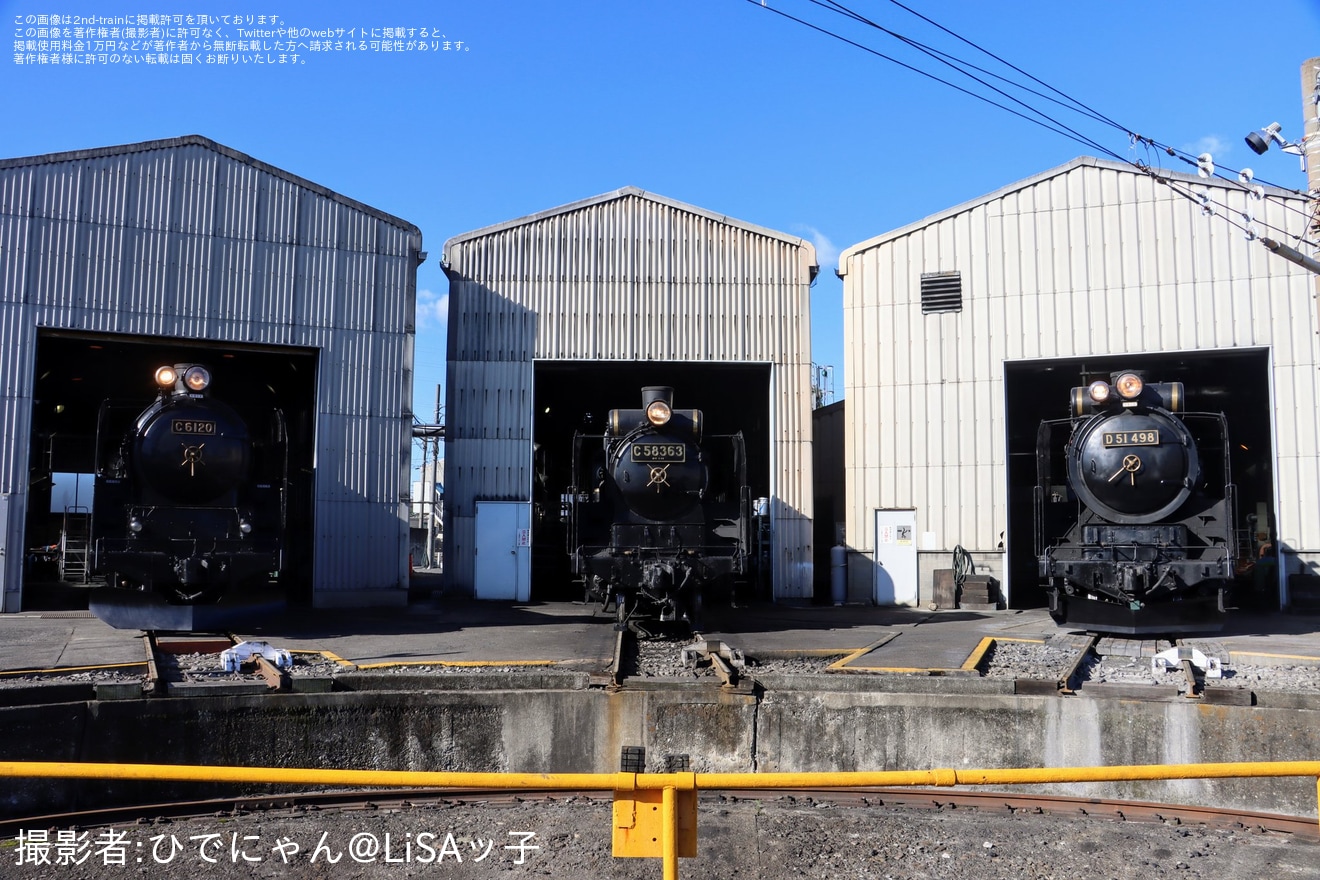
x=504 y=550
x=11 y=570
x=896 y=557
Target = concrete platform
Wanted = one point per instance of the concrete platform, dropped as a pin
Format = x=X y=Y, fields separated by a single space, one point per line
x=556 y=722
x=896 y=640
x=462 y=631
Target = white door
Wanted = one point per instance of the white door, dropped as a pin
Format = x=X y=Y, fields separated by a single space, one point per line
x=504 y=550
x=896 y=557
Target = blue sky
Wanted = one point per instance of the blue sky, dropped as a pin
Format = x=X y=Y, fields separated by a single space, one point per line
x=719 y=103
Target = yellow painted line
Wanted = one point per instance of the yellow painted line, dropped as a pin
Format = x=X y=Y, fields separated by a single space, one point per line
x=64 y=670
x=328 y=655
x=460 y=663
x=978 y=653
x=902 y=670
x=848 y=658
x=860 y=652
x=1245 y=656
x=969 y=665
x=797 y=653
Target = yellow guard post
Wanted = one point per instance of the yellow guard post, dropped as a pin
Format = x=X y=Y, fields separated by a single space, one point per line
x=658 y=821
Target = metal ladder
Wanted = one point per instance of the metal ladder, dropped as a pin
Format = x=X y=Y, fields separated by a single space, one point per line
x=74 y=545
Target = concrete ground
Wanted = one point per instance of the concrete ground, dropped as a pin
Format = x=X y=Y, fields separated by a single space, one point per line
x=439 y=628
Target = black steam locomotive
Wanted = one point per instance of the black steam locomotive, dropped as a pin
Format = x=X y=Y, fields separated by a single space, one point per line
x=1135 y=513
x=657 y=515
x=188 y=504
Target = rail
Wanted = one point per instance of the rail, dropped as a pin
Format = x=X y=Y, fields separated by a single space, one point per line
x=655 y=814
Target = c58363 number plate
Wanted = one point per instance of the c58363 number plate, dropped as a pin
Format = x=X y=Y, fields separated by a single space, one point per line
x=659 y=453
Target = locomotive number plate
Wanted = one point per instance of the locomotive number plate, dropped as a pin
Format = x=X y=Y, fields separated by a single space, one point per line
x=652 y=453
x=1132 y=438
x=192 y=426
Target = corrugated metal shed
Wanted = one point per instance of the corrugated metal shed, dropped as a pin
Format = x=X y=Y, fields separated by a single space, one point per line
x=1091 y=258
x=188 y=238
x=631 y=276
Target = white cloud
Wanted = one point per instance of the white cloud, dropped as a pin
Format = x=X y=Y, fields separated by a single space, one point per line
x=827 y=253
x=432 y=311
x=1212 y=144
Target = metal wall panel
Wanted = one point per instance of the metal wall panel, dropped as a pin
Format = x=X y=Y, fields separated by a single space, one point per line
x=186 y=237
x=1092 y=258
x=14 y=236
x=624 y=276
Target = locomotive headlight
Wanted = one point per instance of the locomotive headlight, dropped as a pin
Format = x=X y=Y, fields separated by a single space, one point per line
x=1098 y=391
x=1129 y=386
x=134 y=525
x=658 y=413
x=165 y=377
x=197 y=378
x=245 y=527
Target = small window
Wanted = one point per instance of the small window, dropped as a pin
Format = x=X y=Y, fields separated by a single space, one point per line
x=941 y=292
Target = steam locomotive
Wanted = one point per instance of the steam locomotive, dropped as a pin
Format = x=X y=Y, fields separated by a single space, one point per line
x=657 y=514
x=1135 y=513
x=189 y=503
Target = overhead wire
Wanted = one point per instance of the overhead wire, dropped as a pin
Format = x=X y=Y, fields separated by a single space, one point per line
x=1078 y=105
x=949 y=60
x=1068 y=102
x=904 y=65
x=1048 y=122
x=1008 y=64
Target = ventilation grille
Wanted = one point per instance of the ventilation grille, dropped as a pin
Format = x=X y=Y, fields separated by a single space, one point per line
x=941 y=292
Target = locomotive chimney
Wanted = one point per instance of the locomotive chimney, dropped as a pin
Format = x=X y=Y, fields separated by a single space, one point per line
x=651 y=393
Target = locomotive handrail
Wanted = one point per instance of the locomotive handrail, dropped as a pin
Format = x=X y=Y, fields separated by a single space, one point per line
x=674 y=793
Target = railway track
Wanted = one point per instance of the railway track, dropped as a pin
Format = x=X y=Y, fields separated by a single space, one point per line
x=164 y=671
x=402 y=800
x=1091 y=647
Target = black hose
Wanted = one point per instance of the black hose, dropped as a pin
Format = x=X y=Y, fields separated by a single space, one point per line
x=962 y=565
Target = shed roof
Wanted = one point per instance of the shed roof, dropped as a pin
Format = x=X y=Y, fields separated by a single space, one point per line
x=196 y=140
x=1025 y=183
x=623 y=193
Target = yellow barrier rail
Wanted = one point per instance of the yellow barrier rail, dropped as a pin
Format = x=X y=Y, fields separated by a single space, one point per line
x=666 y=830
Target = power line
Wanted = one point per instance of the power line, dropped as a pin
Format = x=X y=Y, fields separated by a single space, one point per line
x=949 y=60
x=1072 y=103
x=1203 y=163
x=909 y=67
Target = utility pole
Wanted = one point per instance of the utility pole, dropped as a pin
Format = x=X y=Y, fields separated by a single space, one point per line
x=433 y=533
x=1311 y=151
x=1308 y=147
